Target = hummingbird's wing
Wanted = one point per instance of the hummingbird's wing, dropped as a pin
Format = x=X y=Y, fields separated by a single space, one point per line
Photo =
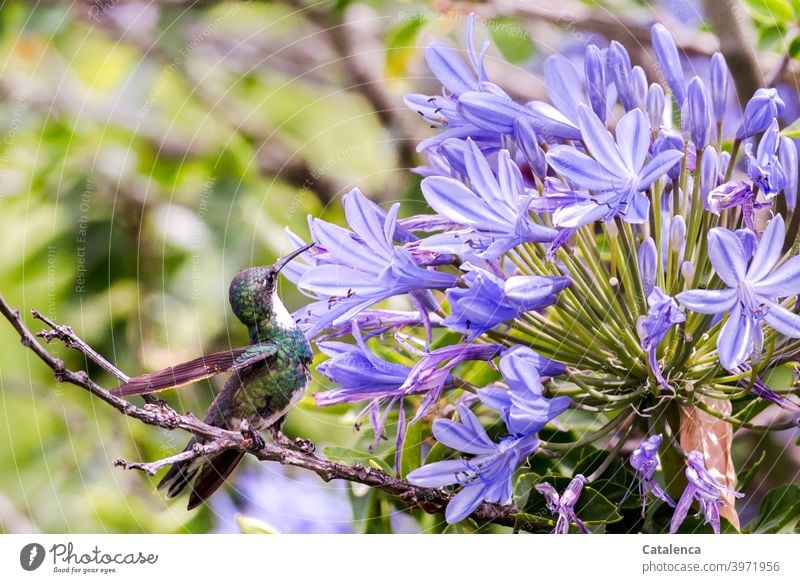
x=196 y=370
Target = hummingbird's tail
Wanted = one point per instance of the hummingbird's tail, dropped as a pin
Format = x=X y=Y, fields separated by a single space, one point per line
x=212 y=474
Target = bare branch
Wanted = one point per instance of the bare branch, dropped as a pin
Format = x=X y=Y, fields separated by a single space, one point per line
x=72 y=340
x=218 y=439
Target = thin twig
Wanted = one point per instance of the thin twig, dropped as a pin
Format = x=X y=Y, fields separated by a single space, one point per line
x=67 y=335
x=218 y=439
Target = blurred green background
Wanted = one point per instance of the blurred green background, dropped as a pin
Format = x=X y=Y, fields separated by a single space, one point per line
x=150 y=150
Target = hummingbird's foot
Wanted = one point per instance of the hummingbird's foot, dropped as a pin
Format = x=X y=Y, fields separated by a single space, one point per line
x=253 y=436
x=278 y=436
x=299 y=444
x=304 y=445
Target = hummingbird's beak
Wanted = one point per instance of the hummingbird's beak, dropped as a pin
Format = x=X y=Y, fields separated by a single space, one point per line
x=283 y=261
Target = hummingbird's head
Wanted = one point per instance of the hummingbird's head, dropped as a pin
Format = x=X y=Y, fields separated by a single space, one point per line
x=253 y=291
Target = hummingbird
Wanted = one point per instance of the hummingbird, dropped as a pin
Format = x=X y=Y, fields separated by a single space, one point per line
x=269 y=376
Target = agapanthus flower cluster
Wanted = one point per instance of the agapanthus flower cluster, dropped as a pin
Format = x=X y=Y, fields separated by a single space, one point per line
x=620 y=250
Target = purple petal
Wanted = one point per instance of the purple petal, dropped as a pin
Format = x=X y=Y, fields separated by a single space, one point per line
x=783 y=320
x=449 y=68
x=437 y=474
x=737 y=338
x=638 y=208
x=727 y=255
x=450 y=198
x=579 y=214
x=491 y=112
x=581 y=169
x=494 y=397
x=600 y=143
x=463 y=503
x=633 y=137
x=708 y=301
x=769 y=250
x=564 y=85
x=667 y=55
x=462 y=437
x=784 y=281
x=657 y=167
x=367 y=219
x=682 y=509
x=550 y=123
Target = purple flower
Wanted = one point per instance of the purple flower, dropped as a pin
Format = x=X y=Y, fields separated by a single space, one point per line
x=667 y=55
x=761 y=390
x=374 y=322
x=564 y=505
x=431 y=374
x=360 y=267
x=595 y=73
x=709 y=174
x=457 y=77
x=495 y=209
x=450 y=69
x=619 y=68
x=704 y=488
x=764 y=169
x=495 y=112
x=359 y=372
x=720 y=79
x=648 y=264
x=644 y=460
x=760 y=111
x=489 y=300
x=699 y=117
x=616 y=172
x=486 y=476
x=663 y=314
x=733 y=194
x=655 y=105
x=523 y=408
x=752 y=294
x=528 y=142
x=787 y=154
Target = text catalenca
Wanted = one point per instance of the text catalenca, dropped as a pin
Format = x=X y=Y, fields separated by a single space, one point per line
x=669 y=550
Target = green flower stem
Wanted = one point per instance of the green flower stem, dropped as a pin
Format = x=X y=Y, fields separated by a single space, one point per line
x=626 y=333
x=631 y=277
x=606 y=396
x=614 y=453
x=587 y=439
x=729 y=171
x=549 y=349
x=693 y=226
x=570 y=334
x=655 y=227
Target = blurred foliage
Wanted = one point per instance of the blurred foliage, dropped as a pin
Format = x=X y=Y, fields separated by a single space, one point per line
x=150 y=152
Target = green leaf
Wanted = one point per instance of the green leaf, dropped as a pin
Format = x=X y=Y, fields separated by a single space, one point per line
x=748 y=474
x=779 y=511
x=794 y=48
x=771 y=12
x=792 y=130
x=592 y=508
x=411 y=456
x=437 y=453
x=351 y=457
x=249 y=525
x=511 y=39
x=401 y=46
x=377 y=519
x=770 y=36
